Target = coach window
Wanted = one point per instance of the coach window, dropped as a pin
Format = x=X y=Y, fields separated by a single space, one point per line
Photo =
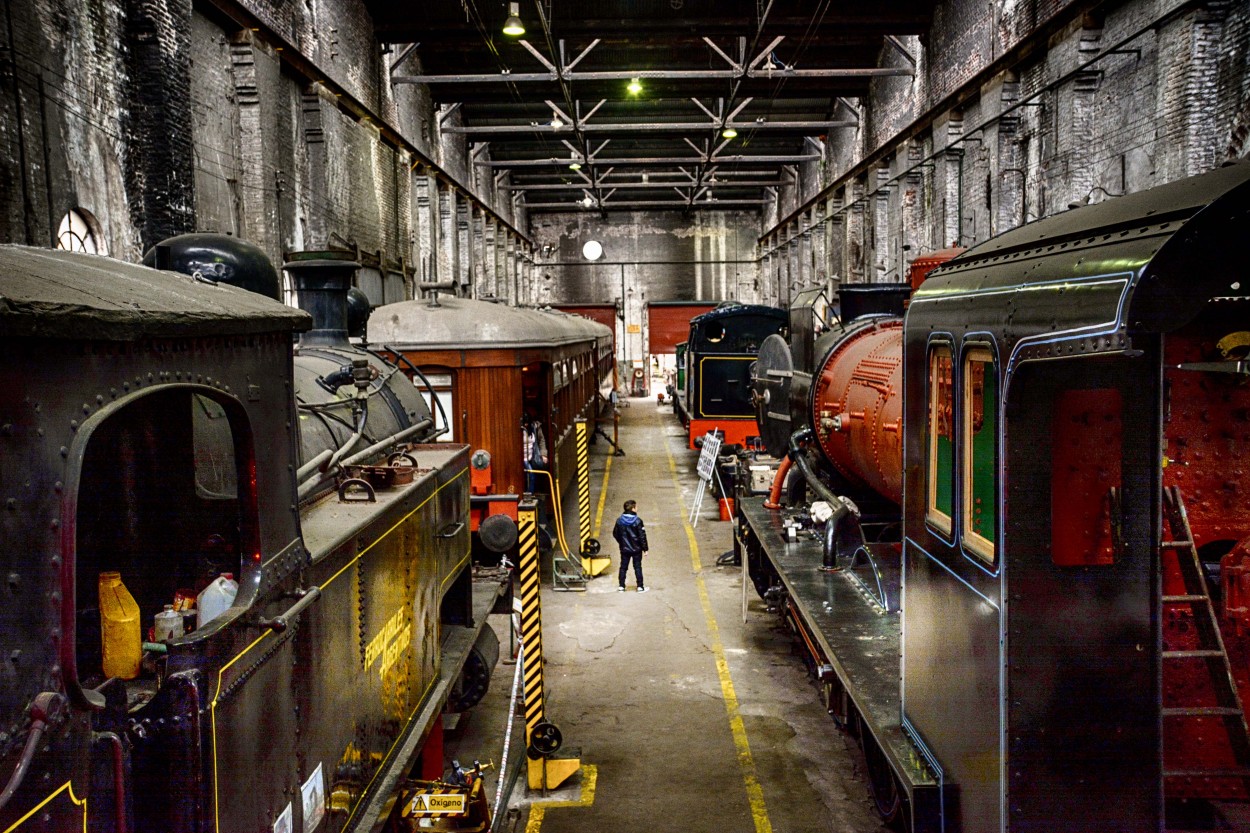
x=980 y=458
x=940 y=439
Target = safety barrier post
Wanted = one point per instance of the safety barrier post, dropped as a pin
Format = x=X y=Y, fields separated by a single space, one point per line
x=593 y=563
x=542 y=738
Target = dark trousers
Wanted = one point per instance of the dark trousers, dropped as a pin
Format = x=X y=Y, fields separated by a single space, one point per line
x=637 y=559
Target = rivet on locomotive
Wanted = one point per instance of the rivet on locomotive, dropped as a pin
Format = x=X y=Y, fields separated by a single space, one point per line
x=237 y=588
x=1024 y=589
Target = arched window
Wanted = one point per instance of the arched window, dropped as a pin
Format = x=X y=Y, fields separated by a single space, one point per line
x=77 y=232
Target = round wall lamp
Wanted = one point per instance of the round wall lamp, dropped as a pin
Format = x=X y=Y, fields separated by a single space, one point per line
x=592 y=250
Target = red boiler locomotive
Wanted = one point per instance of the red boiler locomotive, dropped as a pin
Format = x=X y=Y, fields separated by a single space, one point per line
x=1036 y=514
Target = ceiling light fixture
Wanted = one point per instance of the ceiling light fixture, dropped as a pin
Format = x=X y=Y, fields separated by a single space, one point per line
x=729 y=133
x=555 y=120
x=575 y=165
x=635 y=86
x=513 y=25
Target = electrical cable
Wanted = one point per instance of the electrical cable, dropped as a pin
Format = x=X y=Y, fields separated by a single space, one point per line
x=507 y=735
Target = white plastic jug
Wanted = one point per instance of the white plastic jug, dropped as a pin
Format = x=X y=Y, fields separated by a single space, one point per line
x=216 y=598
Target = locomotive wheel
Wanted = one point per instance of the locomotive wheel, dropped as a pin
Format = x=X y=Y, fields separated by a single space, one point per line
x=545 y=740
x=886 y=796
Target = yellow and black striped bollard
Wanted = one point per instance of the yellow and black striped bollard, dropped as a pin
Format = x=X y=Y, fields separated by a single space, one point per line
x=542 y=738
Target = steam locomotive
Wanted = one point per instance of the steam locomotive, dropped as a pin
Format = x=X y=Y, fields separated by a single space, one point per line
x=157 y=430
x=714 y=380
x=1022 y=579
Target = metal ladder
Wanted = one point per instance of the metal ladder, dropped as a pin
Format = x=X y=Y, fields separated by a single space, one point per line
x=1211 y=647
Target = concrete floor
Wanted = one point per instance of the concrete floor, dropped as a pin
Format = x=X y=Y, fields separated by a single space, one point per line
x=686 y=718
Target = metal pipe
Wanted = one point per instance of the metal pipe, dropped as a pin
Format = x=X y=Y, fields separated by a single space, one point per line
x=312 y=465
x=438 y=403
x=352 y=440
x=397 y=437
x=779 y=479
x=44 y=710
x=311 y=486
x=119 y=781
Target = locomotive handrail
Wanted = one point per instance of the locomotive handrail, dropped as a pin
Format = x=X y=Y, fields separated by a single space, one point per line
x=451 y=531
x=46 y=709
x=282 y=622
x=438 y=403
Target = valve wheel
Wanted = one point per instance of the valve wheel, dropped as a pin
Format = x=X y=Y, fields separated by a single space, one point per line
x=545 y=740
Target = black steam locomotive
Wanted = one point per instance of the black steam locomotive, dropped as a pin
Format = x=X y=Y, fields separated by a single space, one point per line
x=1034 y=507
x=714 y=391
x=157 y=436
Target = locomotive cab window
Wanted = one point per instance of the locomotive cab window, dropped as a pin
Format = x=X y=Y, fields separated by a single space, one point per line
x=940 y=439
x=980 y=457
x=164 y=506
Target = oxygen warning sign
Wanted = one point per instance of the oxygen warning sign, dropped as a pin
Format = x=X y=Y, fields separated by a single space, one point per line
x=431 y=804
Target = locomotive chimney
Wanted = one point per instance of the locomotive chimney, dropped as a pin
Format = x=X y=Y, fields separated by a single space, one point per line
x=322 y=280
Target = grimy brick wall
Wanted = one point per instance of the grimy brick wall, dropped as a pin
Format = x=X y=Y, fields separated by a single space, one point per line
x=1017 y=111
x=157 y=117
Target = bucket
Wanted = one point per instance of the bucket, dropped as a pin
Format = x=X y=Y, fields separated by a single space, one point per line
x=726 y=508
x=119 y=628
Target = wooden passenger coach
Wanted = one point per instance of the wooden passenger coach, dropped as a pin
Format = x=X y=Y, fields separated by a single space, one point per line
x=494 y=364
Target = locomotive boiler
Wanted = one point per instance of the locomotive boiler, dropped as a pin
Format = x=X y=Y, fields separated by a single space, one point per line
x=1025 y=593
x=159 y=430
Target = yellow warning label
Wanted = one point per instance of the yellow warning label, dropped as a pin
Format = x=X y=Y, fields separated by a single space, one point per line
x=430 y=804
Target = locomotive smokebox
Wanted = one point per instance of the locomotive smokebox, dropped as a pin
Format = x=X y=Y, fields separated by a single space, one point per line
x=859 y=299
x=322 y=280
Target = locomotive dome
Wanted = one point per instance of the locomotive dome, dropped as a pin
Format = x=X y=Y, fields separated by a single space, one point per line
x=464 y=323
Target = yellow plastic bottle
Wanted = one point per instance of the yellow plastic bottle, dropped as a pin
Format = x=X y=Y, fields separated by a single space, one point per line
x=119 y=628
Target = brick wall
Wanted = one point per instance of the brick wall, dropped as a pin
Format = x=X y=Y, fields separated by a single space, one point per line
x=1163 y=97
x=154 y=119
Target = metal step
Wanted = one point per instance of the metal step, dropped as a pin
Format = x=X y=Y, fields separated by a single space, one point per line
x=1239 y=772
x=1201 y=711
x=1197 y=654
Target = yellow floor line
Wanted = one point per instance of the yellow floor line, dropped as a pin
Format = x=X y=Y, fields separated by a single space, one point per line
x=589 y=776
x=603 y=496
x=755 y=793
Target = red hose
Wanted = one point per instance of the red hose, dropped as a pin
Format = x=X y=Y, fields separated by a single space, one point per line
x=779 y=480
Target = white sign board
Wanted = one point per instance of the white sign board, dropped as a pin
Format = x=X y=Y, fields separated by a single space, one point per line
x=432 y=804
x=313 y=792
x=707 y=460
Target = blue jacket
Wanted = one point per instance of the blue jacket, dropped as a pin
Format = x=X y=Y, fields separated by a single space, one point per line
x=630 y=533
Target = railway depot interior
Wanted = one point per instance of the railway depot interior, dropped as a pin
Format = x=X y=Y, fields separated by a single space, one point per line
x=337 y=333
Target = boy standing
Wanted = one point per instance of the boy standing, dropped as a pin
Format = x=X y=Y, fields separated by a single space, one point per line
x=631 y=535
